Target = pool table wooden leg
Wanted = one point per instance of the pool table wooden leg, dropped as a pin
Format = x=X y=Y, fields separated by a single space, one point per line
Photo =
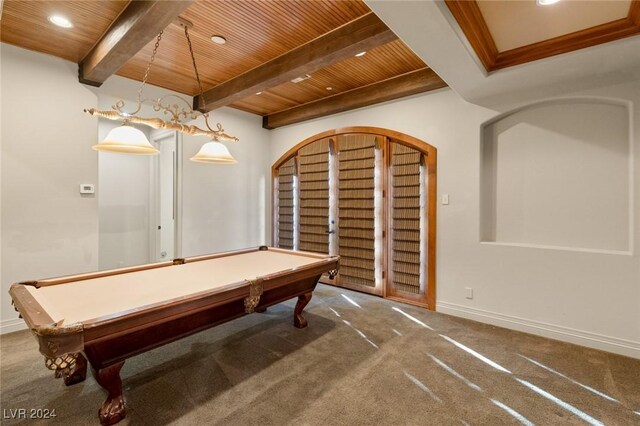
x=113 y=410
x=75 y=374
x=298 y=319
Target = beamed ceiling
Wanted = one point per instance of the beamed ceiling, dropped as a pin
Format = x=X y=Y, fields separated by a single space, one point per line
x=271 y=42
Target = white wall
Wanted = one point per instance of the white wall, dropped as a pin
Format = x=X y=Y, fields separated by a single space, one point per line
x=124 y=185
x=591 y=299
x=557 y=174
x=48 y=228
x=225 y=207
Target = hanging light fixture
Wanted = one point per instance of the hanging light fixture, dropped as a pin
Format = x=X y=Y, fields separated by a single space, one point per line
x=213 y=153
x=128 y=139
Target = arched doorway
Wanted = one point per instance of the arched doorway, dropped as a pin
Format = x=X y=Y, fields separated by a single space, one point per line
x=369 y=195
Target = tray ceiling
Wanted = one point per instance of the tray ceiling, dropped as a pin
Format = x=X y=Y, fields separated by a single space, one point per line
x=519 y=23
x=505 y=33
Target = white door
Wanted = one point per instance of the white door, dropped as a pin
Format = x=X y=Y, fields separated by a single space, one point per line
x=165 y=194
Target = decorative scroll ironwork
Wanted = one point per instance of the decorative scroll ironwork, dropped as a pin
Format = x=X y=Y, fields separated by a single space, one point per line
x=157 y=123
x=64 y=362
x=168 y=107
x=255 y=291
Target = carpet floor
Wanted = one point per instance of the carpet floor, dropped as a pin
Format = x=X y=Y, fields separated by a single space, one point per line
x=361 y=361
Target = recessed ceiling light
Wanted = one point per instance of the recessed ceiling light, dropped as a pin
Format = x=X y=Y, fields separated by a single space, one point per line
x=546 y=2
x=364 y=53
x=329 y=88
x=60 y=21
x=299 y=79
x=218 y=39
x=258 y=93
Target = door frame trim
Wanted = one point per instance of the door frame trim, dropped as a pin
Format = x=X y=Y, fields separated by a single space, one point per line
x=431 y=162
x=155 y=137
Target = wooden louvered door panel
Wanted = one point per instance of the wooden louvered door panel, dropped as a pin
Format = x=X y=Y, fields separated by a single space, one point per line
x=285 y=204
x=368 y=195
x=356 y=211
x=407 y=233
x=313 y=173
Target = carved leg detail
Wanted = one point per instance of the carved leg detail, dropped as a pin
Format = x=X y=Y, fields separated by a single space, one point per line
x=113 y=410
x=261 y=309
x=77 y=373
x=298 y=319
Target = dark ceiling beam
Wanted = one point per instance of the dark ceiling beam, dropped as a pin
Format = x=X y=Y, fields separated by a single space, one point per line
x=411 y=83
x=344 y=42
x=138 y=24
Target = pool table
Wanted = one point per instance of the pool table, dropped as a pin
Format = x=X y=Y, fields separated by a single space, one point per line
x=106 y=317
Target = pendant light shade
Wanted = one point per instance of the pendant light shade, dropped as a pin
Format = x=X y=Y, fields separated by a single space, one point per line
x=213 y=153
x=126 y=140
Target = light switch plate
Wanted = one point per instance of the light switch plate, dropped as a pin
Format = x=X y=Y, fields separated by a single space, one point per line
x=468 y=292
x=87 y=188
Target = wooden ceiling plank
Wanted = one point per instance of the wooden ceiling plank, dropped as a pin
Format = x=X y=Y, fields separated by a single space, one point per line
x=411 y=83
x=25 y=24
x=361 y=34
x=138 y=24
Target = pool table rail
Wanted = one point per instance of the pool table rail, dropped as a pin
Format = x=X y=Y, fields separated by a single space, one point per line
x=100 y=274
x=55 y=341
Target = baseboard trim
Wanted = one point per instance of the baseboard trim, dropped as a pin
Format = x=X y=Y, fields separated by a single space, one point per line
x=9 y=326
x=565 y=334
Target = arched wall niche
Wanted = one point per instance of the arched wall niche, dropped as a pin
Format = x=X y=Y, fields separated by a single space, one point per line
x=393 y=151
x=557 y=174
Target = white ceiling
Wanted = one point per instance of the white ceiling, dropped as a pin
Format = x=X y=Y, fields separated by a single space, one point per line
x=519 y=23
x=428 y=28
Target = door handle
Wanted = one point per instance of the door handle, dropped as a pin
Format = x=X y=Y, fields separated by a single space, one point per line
x=331 y=231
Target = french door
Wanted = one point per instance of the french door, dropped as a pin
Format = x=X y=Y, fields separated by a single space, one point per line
x=367 y=195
